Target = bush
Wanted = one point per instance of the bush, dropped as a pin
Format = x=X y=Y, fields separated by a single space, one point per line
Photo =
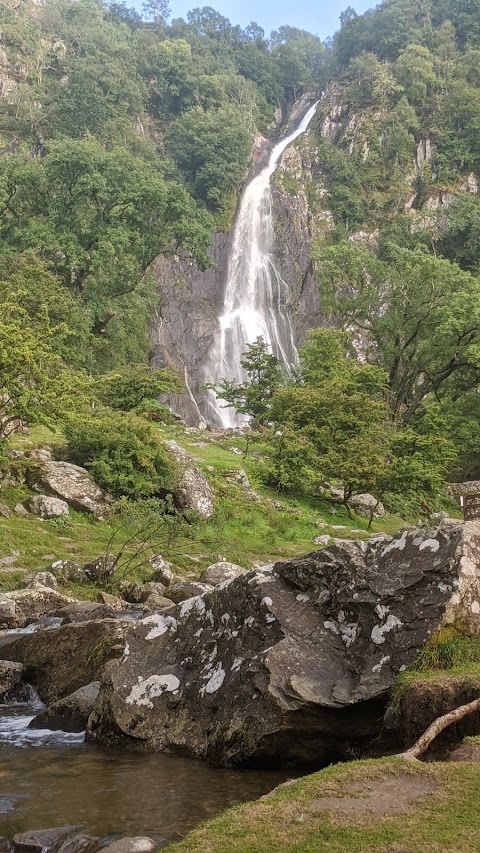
x=122 y=452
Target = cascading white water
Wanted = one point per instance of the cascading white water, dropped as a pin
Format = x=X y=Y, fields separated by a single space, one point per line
x=256 y=297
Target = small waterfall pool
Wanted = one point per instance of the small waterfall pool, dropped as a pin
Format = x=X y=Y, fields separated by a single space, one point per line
x=50 y=779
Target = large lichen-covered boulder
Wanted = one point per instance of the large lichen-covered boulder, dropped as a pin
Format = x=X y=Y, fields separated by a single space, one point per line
x=59 y=661
x=24 y=606
x=73 y=485
x=192 y=490
x=291 y=664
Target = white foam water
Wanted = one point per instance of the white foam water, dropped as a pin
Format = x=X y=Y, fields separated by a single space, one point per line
x=256 y=299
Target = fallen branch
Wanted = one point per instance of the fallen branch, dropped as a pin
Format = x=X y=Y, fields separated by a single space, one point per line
x=438 y=725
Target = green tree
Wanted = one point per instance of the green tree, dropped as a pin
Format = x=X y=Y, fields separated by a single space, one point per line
x=253 y=397
x=129 y=388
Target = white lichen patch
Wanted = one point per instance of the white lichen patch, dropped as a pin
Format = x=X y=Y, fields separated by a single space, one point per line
x=196 y=603
x=236 y=664
x=444 y=587
x=214 y=682
x=382 y=610
x=396 y=544
x=475 y=607
x=302 y=596
x=270 y=618
x=432 y=544
x=249 y=621
x=331 y=626
x=150 y=688
x=161 y=624
x=348 y=633
x=383 y=661
x=267 y=602
x=379 y=631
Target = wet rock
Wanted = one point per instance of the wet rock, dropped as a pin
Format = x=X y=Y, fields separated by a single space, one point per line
x=219 y=572
x=186 y=589
x=73 y=485
x=85 y=611
x=43 y=579
x=30 y=604
x=80 y=844
x=44 y=840
x=71 y=713
x=292 y=665
x=367 y=505
x=192 y=491
x=135 y=844
x=48 y=507
x=12 y=687
x=67 y=571
x=101 y=569
x=61 y=660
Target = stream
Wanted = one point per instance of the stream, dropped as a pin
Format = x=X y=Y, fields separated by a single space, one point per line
x=52 y=778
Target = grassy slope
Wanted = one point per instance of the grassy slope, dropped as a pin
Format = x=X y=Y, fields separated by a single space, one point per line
x=243 y=530
x=290 y=820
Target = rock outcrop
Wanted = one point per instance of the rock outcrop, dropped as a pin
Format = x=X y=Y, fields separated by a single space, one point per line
x=58 y=661
x=69 y=714
x=48 y=507
x=24 y=606
x=192 y=490
x=12 y=686
x=73 y=485
x=290 y=665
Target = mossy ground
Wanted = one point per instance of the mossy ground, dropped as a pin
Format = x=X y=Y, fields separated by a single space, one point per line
x=443 y=819
x=243 y=530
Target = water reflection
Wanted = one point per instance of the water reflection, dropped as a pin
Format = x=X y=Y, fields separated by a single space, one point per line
x=109 y=792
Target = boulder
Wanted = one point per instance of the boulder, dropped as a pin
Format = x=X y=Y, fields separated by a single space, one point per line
x=101 y=569
x=162 y=571
x=133 y=844
x=138 y=593
x=48 y=507
x=112 y=600
x=367 y=505
x=69 y=714
x=186 y=589
x=192 y=491
x=20 y=509
x=322 y=540
x=73 y=485
x=67 y=571
x=7 y=612
x=29 y=605
x=85 y=611
x=159 y=602
x=43 y=579
x=40 y=454
x=61 y=660
x=44 y=840
x=219 y=572
x=290 y=666
x=12 y=687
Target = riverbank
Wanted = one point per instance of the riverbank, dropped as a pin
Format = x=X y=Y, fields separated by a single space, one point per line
x=382 y=806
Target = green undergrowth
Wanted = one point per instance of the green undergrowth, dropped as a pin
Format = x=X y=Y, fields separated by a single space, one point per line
x=450 y=653
x=249 y=526
x=295 y=819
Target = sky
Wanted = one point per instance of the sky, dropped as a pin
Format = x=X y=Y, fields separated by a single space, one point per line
x=316 y=16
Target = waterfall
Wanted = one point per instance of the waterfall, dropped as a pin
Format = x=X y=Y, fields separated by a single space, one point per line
x=255 y=297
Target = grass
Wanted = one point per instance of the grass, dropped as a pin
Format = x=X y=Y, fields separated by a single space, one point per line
x=450 y=653
x=289 y=820
x=248 y=527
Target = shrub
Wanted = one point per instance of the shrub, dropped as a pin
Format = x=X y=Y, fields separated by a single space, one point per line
x=122 y=452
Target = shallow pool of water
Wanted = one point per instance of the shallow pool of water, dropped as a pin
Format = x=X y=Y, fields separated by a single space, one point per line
x=52 y=779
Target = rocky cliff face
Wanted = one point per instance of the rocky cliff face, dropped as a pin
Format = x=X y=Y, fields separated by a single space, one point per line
x=191 y=300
